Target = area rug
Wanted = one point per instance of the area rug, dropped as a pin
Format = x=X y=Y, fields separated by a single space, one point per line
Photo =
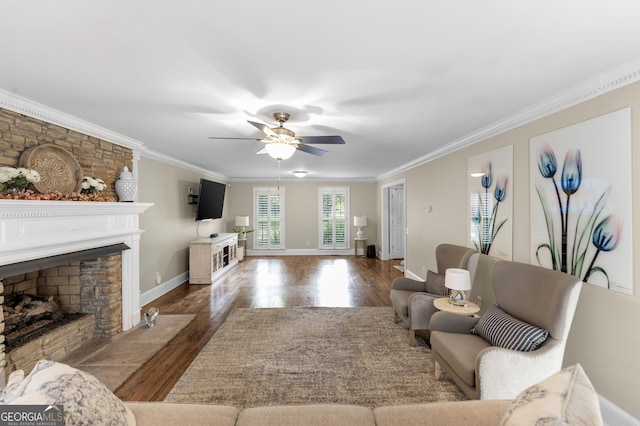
x=312 y=355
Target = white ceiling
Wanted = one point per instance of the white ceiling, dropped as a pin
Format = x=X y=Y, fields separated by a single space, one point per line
x=397 y=80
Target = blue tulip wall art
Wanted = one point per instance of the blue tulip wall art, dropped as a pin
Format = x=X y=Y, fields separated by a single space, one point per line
x=590 y=227
x=578 y=183
x=490 y=202
x=484 y=209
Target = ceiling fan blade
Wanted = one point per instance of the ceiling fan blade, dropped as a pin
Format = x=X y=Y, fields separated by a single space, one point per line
x=241 y=139
x=336 y=140
x=312 y=150
x=262 y=151
x=264 y=129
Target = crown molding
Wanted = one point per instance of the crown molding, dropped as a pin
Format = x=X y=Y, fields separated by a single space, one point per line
x=605 y=82
x=21 y=105
x=301 y=180
x=155 y=155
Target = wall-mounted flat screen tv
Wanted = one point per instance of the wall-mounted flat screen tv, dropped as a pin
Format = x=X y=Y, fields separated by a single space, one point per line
x=210 y=200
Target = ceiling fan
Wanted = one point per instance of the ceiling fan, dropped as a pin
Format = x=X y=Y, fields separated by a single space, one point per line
x=281 y=142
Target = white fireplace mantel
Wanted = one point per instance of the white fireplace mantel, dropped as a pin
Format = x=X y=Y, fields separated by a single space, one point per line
x=32 y=230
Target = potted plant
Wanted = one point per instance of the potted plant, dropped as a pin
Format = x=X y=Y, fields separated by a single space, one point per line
x=242 y=232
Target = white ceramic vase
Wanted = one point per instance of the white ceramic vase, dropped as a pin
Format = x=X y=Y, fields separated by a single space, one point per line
x=126 y=186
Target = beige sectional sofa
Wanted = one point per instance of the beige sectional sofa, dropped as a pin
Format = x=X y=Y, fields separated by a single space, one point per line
x=567 y=397
x=472 y=413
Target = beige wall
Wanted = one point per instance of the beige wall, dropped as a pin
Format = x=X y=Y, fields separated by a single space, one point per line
x=301 y=209
x=170 y=224
x=604 y=336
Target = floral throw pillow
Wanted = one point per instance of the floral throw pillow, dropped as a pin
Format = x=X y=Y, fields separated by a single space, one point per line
x=12 y=390
x=566 y=398
x=86 y=400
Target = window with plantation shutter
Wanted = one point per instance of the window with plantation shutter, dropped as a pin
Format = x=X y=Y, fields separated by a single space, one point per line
x=269 y=218
x=334 y=218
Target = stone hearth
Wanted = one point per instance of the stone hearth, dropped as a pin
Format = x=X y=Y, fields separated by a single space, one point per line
x=31 y=230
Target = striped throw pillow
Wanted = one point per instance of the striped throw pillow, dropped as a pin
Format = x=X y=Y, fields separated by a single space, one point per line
x=506 y=331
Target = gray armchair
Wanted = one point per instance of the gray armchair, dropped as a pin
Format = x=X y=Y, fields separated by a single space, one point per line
x=412 y=303
x=537 y=296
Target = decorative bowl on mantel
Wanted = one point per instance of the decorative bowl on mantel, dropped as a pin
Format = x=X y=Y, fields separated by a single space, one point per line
x=59 y=170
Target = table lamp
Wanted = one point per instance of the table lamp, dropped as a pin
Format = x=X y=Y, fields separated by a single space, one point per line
x=458 y=281
x=360 y=221
x=243 y=222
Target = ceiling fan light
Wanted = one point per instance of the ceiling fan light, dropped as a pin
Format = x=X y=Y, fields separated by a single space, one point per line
x=280 y=151
x=300 y=173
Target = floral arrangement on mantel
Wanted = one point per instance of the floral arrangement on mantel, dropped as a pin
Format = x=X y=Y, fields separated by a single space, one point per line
x=14 y=181
x=92 y=185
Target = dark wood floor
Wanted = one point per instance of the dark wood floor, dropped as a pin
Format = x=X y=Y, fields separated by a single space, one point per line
x=269 y=282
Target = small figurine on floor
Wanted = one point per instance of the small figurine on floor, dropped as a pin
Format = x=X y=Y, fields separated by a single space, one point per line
x=150 y=316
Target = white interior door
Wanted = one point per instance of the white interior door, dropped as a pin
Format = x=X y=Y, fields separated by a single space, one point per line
x=396 y=216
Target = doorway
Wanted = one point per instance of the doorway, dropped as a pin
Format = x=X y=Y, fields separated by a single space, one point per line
x=393 y=220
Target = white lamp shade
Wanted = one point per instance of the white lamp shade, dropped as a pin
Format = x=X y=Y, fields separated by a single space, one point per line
x=242 y=220
x=457 y=279
x=359 y=221
x=280 y=150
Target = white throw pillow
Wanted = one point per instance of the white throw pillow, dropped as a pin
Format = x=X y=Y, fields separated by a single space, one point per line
x=566 y=398
x=85 y=399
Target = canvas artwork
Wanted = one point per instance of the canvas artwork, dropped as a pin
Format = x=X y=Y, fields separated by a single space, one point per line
x=581 y=201
x=490 y=207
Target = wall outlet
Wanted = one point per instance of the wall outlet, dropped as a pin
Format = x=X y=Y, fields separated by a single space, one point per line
x=158 y=278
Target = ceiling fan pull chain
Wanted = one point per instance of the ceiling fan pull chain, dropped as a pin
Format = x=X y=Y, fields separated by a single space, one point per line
x=279 y=161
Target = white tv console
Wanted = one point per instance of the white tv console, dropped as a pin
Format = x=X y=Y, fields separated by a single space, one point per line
x=210 y=258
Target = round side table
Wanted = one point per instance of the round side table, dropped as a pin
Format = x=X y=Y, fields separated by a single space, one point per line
x=443 y=304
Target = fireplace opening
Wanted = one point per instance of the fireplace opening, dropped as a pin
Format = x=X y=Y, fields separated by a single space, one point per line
x=49 y=312
x=29 y=316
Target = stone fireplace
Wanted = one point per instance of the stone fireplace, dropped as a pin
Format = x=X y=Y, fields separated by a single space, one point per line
x=36 y=234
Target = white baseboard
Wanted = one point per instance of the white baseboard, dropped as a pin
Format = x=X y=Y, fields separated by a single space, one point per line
x=409 y=274
x=161 y=289
x=301 y=252
x=612 y=415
